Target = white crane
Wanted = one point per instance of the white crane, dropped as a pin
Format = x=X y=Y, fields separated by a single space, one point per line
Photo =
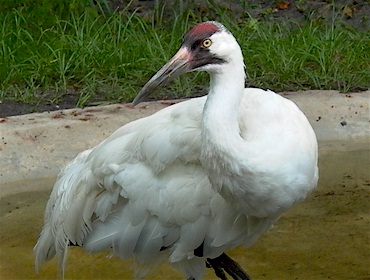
x=193 y=180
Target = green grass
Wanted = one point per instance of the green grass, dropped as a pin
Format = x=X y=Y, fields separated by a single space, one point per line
x=107 y=58
x=312 y=56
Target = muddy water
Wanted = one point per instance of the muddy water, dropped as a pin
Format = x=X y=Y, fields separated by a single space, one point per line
x=325 y=237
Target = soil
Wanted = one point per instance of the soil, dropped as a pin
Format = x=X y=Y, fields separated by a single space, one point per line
x=355 y=14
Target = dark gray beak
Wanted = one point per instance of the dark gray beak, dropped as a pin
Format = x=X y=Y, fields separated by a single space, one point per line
x=176 y=66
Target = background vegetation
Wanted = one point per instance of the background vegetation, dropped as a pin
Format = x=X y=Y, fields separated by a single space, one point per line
x=87 y=53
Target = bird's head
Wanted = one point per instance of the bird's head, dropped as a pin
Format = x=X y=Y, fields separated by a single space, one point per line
x=208 y=46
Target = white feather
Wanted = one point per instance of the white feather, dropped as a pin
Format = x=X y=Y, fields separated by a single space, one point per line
x=217 y=171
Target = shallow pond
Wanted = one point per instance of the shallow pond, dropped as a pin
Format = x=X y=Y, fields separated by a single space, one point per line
x=325 y=237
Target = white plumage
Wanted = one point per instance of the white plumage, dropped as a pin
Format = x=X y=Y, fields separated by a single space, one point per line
x=215 y=171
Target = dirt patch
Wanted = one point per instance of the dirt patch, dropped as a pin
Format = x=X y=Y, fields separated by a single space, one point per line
x=355 y=13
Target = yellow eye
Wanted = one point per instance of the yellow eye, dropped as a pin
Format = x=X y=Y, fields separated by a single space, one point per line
x=206 y=43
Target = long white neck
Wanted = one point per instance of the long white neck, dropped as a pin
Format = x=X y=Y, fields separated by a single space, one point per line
x=220 y=126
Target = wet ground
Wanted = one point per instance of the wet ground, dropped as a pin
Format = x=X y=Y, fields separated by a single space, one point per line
x=325 y=237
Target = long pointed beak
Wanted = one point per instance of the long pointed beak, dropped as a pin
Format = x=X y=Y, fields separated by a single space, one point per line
x=176 y=66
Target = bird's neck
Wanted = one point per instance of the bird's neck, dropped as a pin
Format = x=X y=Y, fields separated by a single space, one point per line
x=221 y=141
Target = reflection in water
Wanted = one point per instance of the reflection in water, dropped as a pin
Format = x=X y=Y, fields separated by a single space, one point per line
x=324 y=237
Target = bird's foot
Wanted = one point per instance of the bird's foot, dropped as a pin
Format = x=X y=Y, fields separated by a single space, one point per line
x=225 y=263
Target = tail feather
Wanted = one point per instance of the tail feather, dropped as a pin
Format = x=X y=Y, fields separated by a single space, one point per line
x=150 y=240
x=61 y=250
x=68 y=212
x=118 y=231
x=44 y=249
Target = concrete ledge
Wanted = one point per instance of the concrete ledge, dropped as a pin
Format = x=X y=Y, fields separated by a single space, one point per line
x=336 y=116
x=39 y=145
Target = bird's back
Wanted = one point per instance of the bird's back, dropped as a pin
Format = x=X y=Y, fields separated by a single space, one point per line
x=281 y=141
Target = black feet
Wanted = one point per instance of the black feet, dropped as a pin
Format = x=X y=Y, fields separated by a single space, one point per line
x=225 y=263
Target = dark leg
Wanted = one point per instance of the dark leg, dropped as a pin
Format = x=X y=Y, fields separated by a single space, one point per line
x=223 y=262
x=218 y=271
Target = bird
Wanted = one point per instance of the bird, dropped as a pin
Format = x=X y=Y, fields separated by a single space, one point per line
x=191 y=181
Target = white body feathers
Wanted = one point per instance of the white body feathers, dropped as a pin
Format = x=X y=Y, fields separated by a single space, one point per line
x=217 y=170
x=145 y=188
